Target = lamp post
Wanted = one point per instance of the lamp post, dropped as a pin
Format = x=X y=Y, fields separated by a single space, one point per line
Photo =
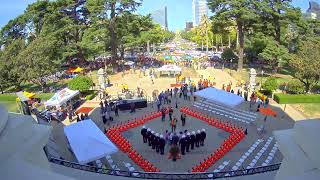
x=262 y=72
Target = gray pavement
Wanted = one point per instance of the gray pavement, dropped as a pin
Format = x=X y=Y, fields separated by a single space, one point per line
x=214 y=138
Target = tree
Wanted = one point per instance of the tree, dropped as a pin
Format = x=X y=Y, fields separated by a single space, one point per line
x=41 y=58
x=11 y=65
x=111 y=10
x=305 y=64
x=270 y=84
x=274 y=54
x=81 y=83
x=242 y=11
x=228 y=54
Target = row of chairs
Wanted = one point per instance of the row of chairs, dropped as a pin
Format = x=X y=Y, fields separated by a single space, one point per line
x=271 y=155
x=226 y=126
x=237 y=134
x=226 y=146
x=227 y=112
x=218 y=112
x=260 y=153
x=131 y=169
x=246 y=155
x=113 y=165
x=236 y=111
x=222 y=166
x=114 y=134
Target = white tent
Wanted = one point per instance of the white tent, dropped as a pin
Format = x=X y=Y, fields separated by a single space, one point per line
x=170 y=69
x=61 y=97
x=220 y=97
x=87 y=141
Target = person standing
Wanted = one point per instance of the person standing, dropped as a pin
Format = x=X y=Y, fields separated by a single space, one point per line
x=198 y=137
x=183 y=119
x=116 y=110
x=144 y=134
x=175 y=139
x=149 y=136
x=182 y=144
x=170 y=113
x=132 y=107
x=163 y=114
x=162 y=144
x=192 y=139
x=157 y=142
x=158 y=104
x=188 y=140
x=203 y=137
x=153 y=138
x=173 y=124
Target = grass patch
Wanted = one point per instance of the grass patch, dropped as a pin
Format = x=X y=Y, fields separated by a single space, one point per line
x=8 y=97
x=296 y=98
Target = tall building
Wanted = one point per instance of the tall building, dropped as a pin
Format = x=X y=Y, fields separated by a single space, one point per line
x=199 y=9
x=189 y=26
x=160 y=16
x=314 y=10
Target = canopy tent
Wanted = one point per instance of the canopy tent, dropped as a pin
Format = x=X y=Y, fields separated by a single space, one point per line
x=220 y=97
x=87 y=141
x=61 y=97
x=170 y=69
x=74 y=70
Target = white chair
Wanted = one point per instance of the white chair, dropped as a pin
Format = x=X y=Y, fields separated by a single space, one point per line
x=267 y=161
x=221 y=167
x=216 y=170
x=247 y=154
x=238 y=164
x=131 y=169
x=241 y=160
x=234 y=168
x=264 y=164
x=252 y=164
x=110 y=161
x=250 y=151
x=225 y=163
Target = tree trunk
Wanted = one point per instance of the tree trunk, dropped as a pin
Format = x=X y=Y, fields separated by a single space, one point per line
x=241 y=45
x=216 y=42
x=201 y=44
x=221 y=41
x=229 y=41
x=1 y=89
x=122 y=52
x=207 y=38
x=112 y=32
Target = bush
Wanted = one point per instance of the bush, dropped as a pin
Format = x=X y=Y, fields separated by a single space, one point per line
x=91 y=96
x=296 y=98
x=228 y=54
x=270 y=84
x=81 y=83
x=295 y=87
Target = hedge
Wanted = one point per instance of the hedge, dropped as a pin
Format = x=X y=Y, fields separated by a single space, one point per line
x=296 y=98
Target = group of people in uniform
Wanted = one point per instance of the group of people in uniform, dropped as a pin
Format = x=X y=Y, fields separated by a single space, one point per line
x=190 y=140
x=186 y=141
x=154 y=140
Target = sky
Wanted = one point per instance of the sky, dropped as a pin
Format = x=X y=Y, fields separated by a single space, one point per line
x=179 y=11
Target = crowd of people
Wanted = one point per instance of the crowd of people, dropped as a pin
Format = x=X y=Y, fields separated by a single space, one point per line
x=106 y=109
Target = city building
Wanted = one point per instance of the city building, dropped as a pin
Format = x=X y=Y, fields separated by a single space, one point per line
x=314 y=10
x=189 y=26
x=160 y=16
x=199 y=9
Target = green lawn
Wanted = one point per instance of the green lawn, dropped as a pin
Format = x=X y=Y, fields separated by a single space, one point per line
x=11 y=106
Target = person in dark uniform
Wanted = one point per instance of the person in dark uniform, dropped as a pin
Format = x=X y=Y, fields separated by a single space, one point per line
x=153 y=138
x=203 y=137
x=163 y=114
x=188 y=140
x=175 y=139
x=183 y=119
x=157 y=143
x=198 y=137
x=182 y=144
x=149 y=136
x=116 y=109
x=193 y=139
x=162 y=143
x=144 y=134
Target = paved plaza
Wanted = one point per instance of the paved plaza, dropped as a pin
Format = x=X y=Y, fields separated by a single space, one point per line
x=214 y=138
